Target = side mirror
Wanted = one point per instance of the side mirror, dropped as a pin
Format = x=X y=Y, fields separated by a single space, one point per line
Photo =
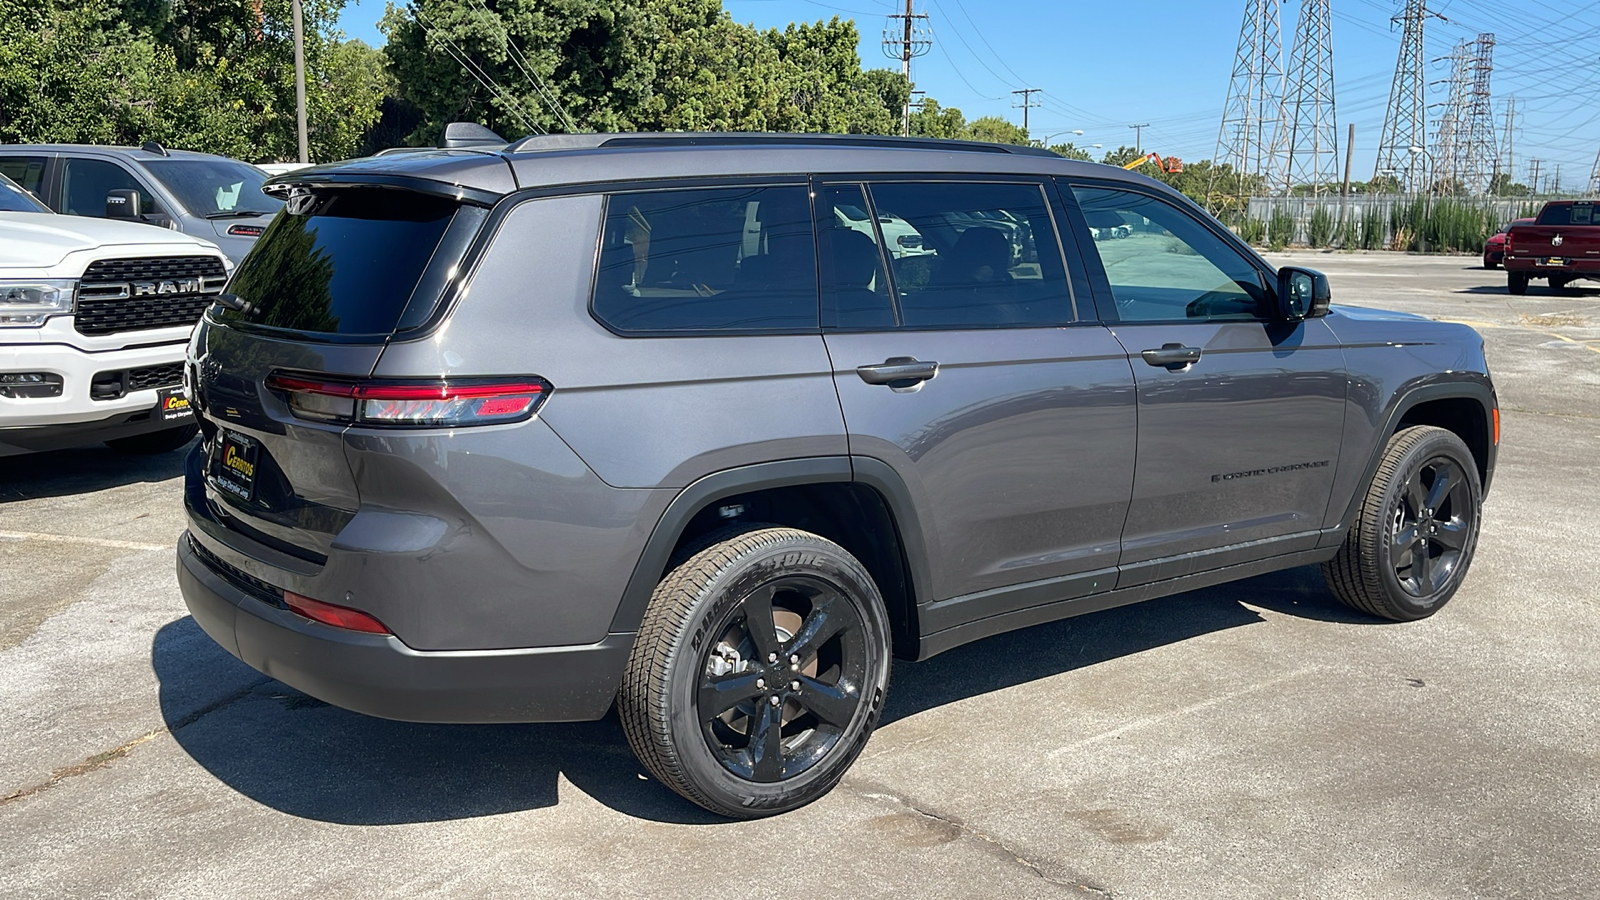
x=1302 y=293
x=124 y=203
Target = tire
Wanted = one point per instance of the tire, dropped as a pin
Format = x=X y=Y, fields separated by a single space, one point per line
x=1490 y=264
x=154 y=442
x=699 y=644
x=1517 y=282
x=1425 y=495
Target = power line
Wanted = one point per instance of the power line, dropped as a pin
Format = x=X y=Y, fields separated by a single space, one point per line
x=913 y=39
x=519 y=58
x=513 y=106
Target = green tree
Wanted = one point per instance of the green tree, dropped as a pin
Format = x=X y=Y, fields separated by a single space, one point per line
x=936 y=121
x=996 y=130
x=1072 y=151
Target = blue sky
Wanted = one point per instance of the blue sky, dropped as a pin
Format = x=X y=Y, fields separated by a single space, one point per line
x=1106 y=65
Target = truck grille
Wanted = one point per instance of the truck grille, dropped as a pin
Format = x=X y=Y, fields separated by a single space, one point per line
x=136 y=294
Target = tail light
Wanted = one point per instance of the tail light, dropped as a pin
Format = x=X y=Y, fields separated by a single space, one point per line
x=331 y=614
x=410 y=403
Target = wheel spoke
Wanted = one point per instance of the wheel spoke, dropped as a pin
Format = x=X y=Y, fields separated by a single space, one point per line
x=1421 y=569
x=1452 y=534
x=827 y=618
x=718 y=695
x=1416 y=495
x=831 y=703
x=758 y=620
x=766 y=743
x=1404 y=540
x=1441 y=487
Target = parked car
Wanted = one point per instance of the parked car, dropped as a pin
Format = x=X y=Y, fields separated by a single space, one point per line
x=1562 y=245
x=94 y=317
x=595 y=419
x=1494 y=249
x=210 y=197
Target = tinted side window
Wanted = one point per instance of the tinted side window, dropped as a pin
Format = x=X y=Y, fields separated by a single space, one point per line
x=1164 y=265
x=855 y=285
x=721 y=259
x=86 y=182
x=27 y=171
x=978 y=255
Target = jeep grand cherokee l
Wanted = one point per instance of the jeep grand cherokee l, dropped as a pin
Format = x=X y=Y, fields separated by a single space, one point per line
x=517 y=433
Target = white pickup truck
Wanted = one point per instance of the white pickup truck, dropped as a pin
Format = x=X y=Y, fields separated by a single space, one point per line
x=95 y=315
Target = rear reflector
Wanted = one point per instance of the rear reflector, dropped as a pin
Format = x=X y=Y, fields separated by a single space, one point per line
x=329 y=614
x=413 y=404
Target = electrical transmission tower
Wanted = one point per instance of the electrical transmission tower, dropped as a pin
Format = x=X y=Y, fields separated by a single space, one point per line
x=906 y=35
x=1478 y=121
x=1451 y=156
x=1250 y=116
x=1306 y=149
x=1405 y=123
x=1508 y=148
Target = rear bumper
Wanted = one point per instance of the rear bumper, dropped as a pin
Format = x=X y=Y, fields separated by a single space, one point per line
x=1575 y=267
x=380 y=676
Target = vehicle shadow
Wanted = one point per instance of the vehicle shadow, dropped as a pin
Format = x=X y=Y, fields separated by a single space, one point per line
x=303 y=757
x=83 y=470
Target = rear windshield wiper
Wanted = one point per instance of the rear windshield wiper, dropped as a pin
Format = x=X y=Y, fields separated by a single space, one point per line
x=238 y=213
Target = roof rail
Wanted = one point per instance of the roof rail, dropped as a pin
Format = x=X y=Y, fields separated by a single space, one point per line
x=748 y=138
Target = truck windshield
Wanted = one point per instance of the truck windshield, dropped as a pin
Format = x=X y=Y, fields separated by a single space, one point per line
x=215 y=188
x=14 y=199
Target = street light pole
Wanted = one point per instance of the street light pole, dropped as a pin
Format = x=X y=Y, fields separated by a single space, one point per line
x=300 y=83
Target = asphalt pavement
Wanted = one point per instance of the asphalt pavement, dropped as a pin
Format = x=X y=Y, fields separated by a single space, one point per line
x=1250 y=740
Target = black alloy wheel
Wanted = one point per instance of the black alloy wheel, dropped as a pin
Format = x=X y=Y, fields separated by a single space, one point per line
x=783 y=682
x=759 y=671
x=1432 y=522
x=1415 y=530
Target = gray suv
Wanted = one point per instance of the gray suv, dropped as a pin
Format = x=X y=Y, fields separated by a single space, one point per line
x=205 y=196
x=662 y=421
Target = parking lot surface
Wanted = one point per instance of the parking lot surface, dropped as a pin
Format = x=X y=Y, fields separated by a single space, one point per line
x=1249 y=740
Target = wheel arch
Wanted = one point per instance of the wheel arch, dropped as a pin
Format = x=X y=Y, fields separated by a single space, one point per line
x=1469 y=409
x=856 y=502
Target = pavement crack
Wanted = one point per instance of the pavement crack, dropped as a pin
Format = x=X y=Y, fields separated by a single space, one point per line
x=107 y=757
x=1080 y=886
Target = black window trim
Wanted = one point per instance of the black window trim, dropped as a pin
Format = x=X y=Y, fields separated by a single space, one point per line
x=658 y=186
x=167 y=204
x=1042 y=182
x=1104 y=300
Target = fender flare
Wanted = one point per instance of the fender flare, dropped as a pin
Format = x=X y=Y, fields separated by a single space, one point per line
x=1404 y=402
x=715 y=486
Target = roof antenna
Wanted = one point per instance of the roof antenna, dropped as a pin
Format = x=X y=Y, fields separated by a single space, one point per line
x=153 y=147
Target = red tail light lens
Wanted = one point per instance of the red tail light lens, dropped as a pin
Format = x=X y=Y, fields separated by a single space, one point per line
x=330 y=614
x=410 y=404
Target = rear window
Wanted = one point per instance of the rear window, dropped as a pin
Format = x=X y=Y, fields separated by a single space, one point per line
x=348 y=265
x=1570 y=214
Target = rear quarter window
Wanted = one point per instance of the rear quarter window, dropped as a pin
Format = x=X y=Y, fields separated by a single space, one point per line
x=734 y=260
x=348 y=265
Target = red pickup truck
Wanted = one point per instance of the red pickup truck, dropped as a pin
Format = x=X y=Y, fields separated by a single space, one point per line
x=1562 y=244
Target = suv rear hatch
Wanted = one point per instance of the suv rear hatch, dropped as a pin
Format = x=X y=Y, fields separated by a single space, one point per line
x=337 y=274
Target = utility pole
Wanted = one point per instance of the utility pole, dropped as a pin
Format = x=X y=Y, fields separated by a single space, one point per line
x=1508 y=156
x=1349 y=154
x=1138 y=137
x=1405 y=123
x=1254 y=103
x=909 y=38
x=1533 y=180
x=1306 y=148
x=300 y=83
x=1026 y=103
x=1594 y=177
x=1558 y=180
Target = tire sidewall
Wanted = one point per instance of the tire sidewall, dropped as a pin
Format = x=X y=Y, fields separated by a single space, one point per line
x=1438 y=444
x=789 y=557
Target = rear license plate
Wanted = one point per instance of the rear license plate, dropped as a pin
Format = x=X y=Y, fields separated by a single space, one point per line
x=236 y=465
x=1552 y=261
x=172 y=405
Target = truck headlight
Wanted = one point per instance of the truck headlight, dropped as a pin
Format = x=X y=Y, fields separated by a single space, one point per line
x=28 y=302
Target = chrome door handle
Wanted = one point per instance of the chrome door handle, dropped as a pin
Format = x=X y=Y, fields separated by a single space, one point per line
x=900 y=373
x=1175 y=357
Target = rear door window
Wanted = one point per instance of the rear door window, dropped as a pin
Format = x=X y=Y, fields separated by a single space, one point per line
x=964 y=255
x=27 y=171
x=733 y=260
x=346 y=264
